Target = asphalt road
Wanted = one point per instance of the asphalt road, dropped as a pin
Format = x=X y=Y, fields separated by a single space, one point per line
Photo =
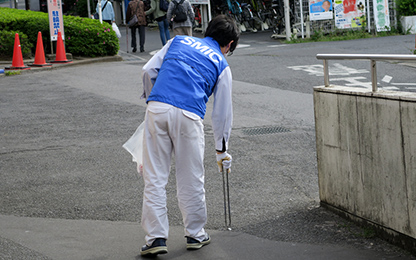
x=61 y=133
x=295 y=67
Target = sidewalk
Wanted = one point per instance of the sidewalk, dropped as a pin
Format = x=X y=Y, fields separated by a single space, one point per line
x=88 y=239
x=50 y=238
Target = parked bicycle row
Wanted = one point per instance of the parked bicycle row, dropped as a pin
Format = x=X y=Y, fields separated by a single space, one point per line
x=251 y=15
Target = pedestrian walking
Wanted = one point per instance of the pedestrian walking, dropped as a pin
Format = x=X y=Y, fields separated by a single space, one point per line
x=179 y=8
x=177 y=82
x=160 y=17
x=136 y=7
x=107 y=9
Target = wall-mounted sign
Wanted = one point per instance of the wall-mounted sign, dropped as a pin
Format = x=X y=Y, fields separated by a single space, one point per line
x=320 y=10
x=349 y=13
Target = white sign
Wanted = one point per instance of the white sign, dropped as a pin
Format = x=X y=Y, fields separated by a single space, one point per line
x=349 y=13
x=56 y=21
x=320 y=9
x=381 y=15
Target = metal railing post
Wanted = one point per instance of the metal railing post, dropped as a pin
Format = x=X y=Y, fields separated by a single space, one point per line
x=374 y=75
x=326 y=73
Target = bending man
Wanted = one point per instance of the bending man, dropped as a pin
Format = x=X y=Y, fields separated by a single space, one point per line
x=177 y=83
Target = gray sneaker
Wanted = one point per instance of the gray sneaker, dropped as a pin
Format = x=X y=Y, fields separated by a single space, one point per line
x=193 y=244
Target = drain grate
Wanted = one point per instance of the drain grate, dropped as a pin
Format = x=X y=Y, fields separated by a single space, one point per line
x=265 y=130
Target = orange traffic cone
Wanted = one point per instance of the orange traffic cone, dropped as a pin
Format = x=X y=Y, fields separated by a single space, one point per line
x=60 y=51
x=40 y=54
x=17 y=62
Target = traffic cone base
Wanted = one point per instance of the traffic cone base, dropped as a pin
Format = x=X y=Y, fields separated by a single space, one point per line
x=60 y=51
x=17 y=62
x=61 y=61
x=40 y=54
x=17 y=68
x=41 y=65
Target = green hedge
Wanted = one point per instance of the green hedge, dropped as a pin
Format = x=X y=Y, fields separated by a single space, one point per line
x=83 y=36
x=7 y=44
x=406 y=7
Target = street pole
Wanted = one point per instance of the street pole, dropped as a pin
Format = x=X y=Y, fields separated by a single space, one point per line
x=301 y=18
x=14 y=4
x=287 y=20
x=368 y=16
x=100 y=11
x=123 y=8
x=89 y=8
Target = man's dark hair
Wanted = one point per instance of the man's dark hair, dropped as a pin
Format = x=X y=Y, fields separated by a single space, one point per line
x=223 y=29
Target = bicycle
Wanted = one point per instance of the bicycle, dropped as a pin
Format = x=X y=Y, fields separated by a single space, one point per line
x=262 y=13
x=279 y=19
x=248 y=19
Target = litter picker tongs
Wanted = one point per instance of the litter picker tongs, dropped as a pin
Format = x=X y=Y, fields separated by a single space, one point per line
x=226 y=190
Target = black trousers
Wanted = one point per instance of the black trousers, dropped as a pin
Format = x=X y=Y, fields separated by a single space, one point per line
x=142 y=30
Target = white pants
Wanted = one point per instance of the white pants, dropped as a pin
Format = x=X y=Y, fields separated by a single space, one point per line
x=169 y=129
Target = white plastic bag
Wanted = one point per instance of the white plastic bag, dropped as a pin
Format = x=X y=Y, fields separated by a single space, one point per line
x=115 y=28
x=135 y=147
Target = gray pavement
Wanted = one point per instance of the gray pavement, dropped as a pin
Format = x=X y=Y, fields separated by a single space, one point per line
x=92 y=239
x=68 y=190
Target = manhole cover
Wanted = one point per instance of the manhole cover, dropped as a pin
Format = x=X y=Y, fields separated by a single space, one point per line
x=265 y=130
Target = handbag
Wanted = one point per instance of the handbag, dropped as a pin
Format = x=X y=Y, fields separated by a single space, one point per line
x=135 y=147
x=134 y=20
x=116 y=30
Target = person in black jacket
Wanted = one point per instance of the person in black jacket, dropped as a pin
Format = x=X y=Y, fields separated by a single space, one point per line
x=185 y=27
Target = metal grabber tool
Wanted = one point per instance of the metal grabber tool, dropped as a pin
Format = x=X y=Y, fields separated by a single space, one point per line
x=226 y=190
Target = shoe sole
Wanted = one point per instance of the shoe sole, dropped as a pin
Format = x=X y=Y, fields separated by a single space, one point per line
x=155 y=251
x=195 y=246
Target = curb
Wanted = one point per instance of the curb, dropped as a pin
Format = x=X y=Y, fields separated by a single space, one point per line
x=75 y=61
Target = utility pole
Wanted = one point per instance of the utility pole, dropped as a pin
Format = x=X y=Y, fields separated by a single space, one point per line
x=287 y=20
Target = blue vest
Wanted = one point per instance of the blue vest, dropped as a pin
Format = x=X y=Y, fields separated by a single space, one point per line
x=189 y=73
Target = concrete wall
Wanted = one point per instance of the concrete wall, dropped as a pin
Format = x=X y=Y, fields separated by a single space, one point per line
x=409 y=23
x=366 y=149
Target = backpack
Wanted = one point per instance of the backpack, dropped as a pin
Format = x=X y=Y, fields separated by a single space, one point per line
x=163 y=5
x=178 y=13
x=146 y=5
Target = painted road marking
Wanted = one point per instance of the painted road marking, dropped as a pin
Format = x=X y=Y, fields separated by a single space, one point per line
x=338 y=69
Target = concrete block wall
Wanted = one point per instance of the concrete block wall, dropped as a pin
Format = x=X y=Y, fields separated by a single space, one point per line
x=366 y=151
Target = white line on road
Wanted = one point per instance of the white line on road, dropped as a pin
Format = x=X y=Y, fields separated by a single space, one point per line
x=404 y=84
x=275 y=46
x=239 y=46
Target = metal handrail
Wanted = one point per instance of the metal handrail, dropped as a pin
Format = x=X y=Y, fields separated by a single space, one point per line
x=372 y=57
